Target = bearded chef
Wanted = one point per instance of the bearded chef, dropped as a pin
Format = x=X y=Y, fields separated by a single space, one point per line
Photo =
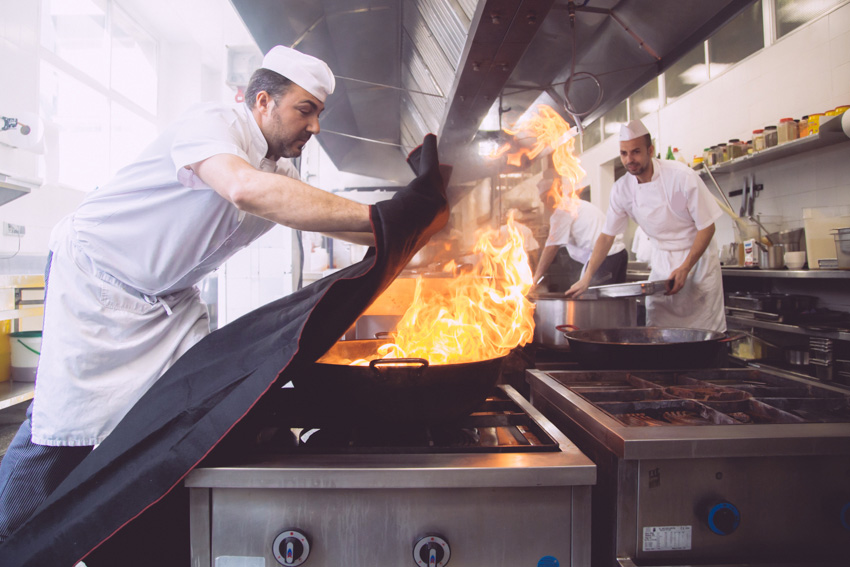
x=121 y=303
x=669 y=201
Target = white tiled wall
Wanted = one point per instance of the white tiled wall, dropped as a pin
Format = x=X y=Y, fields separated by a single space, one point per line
x=805 y=72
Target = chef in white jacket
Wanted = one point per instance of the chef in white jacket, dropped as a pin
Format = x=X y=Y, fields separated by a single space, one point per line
x=121 y=301
x=669 y=201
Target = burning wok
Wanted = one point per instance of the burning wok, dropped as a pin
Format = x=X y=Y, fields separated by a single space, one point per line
x=395 y=391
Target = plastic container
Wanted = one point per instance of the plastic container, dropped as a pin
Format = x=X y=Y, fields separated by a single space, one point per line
x=820 y=222
x=803 y=127
x=735 y=148
x=814 y=122
x=771 y=137
x=26 y=348
x=758 y=140
x=787 y=130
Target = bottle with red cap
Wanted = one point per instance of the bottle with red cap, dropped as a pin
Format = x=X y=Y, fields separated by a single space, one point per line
x=787 y=130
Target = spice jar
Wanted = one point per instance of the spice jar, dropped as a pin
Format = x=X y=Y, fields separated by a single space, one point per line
x=758 y=140
x=803 y=127
x=722 y=153
x=706 y=156
x=787 y=130
x=735 y=148
x=771 y=136
x=814 y=122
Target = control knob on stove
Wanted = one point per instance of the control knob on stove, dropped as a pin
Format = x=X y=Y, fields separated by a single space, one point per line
x=291 y=547
x=431 y=551
x=723 y=518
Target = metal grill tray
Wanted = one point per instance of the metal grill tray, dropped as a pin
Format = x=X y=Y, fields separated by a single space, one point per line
x=764 y=398
x=656 y=410
x=757 y=412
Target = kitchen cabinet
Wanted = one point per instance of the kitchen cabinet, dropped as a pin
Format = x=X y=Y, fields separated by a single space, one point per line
x=16 y=304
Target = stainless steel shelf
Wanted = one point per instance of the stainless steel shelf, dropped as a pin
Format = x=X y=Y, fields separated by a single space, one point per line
x=792 y=274
x=13 y=393
x=830 y=133
x=785 y=328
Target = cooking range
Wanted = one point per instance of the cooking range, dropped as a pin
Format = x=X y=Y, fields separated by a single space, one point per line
x=721 y=466
x=501 y=486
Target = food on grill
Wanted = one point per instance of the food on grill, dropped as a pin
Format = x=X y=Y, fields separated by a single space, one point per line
x=639 y=419
x=705 y=393
x=685 y=418
x=741 y=416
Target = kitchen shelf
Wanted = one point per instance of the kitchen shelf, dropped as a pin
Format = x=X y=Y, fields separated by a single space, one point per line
x=830 y=133
x=20 y=308
x=792 y=274
x=13 y=393
x=786 y=328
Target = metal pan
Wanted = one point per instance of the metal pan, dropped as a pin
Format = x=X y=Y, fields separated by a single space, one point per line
x=647 y=347
x=395 y=391
x=631 y=289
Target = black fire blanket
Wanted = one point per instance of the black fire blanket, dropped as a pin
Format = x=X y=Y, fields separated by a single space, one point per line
x=119 y=507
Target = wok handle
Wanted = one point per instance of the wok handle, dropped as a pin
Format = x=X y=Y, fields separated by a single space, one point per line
x=396 y=361
x=734 y=337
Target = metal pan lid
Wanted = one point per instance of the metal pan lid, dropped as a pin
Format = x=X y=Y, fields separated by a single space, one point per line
x=631 y=289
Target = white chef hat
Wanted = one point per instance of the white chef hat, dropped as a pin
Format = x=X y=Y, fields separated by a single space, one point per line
x=311 y=74
x=632 y=130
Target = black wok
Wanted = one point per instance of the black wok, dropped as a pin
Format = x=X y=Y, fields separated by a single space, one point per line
x=388 y=392
x=632 y=348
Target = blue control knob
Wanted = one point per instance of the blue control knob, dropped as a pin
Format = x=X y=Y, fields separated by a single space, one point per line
x=845 y=515
x=724 y=518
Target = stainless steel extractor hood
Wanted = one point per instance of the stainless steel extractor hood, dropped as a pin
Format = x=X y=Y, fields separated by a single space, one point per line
x=409 y=67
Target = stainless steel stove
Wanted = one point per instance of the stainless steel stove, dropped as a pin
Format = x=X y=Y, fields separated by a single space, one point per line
x=501 y=487
x=717 y=466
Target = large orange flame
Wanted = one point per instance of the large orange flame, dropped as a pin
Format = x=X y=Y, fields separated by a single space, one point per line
x=551 y=131
x=483 y=314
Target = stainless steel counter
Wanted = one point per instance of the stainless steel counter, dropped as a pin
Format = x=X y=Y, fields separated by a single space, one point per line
x=634 y=443
x=792 y=274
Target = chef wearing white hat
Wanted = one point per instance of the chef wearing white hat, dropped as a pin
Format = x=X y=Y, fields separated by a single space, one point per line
x=672 y=205
x=122 y=301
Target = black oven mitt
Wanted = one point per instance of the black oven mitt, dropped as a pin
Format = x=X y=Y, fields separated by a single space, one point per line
x=125 y=504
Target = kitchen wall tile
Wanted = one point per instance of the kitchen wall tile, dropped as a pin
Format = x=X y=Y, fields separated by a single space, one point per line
x=841 y=84
x=839 y=22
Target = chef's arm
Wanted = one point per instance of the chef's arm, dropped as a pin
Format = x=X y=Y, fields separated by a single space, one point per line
x=282 y=199
x=600 y=252
x=546 y=258
x=680 y=274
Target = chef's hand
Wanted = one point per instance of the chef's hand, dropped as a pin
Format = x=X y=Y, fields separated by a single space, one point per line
x=577 y=288
x=677 y=280
x=422 y=205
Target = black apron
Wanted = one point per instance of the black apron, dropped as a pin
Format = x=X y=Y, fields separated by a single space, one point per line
x=125 y=505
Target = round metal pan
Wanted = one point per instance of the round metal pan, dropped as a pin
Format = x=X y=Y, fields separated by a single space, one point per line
x=395 y=391
x=647 y=347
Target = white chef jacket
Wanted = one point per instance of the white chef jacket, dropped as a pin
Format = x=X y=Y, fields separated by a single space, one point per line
x=671 y=208
x=578 y=231
x=121 y=306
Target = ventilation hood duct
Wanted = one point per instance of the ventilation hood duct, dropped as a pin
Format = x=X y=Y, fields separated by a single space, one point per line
x=409 y=67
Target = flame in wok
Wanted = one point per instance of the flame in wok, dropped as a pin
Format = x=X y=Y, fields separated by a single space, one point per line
x=483 y=313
